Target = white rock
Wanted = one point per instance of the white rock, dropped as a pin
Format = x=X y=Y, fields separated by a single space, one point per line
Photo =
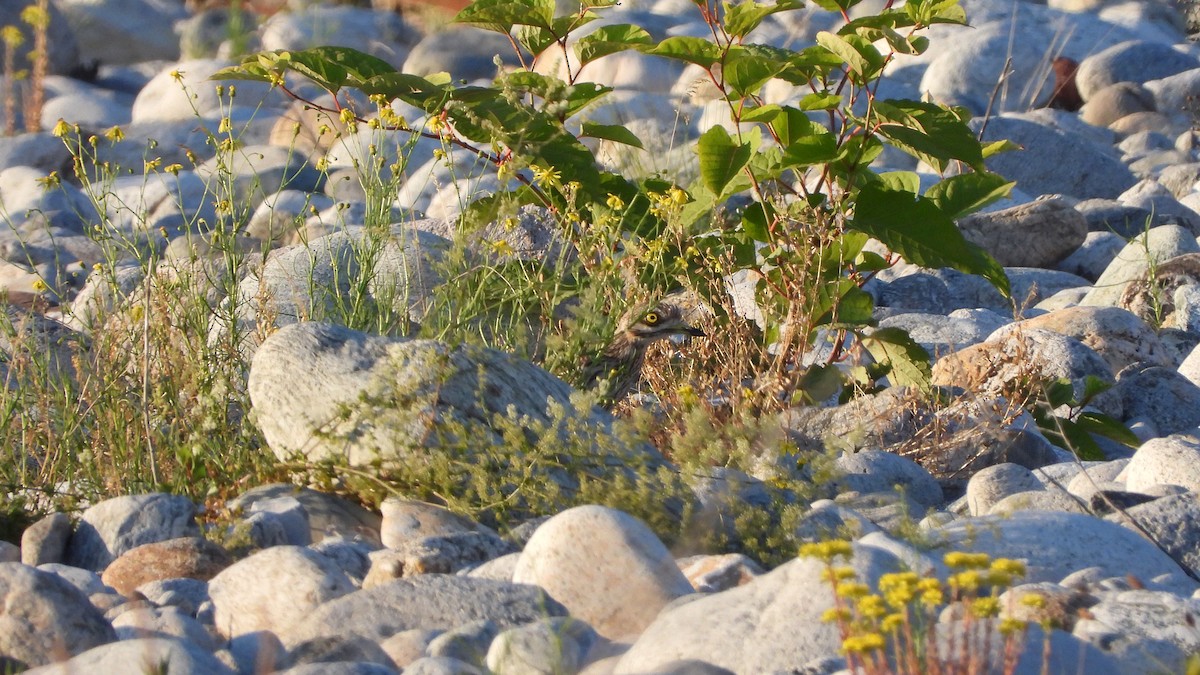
x=274 y=589
x=605 y=566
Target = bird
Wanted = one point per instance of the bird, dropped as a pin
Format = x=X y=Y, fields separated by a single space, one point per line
x=618 y=369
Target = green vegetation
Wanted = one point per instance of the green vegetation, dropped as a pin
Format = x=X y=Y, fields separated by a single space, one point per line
x=785 y=199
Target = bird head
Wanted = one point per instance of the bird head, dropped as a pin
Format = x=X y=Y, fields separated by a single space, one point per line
x=663 y=321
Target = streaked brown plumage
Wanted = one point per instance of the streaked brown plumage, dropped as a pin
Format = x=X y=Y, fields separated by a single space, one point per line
x=619 y=367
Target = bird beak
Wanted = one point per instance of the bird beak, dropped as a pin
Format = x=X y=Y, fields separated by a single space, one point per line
x=694 y=332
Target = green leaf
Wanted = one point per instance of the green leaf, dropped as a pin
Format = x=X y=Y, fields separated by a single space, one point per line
x=764 y=114
x=997 y=147
x=908 y=361
x=1069 y=436
x=248 y=72
x=820 y=101
x=696 y=50
x=358 y=66
x=607 y=40
x=818 y=384
x=721 y=158
x=966 y=193
x=501 y=15
x=411 y=89
x=860 y=56
x=745 y=72
x=1059 y=392
x=535 y=39
x=1103 y=425
x=743 y=17
x=906 y=181
x=1092 y=387
x=929 y=132
x=839 y=6
x=921 y=233
x=756 y=222
x=612 y=132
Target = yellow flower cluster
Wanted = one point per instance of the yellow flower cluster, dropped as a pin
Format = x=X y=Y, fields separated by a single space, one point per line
x=891 y=619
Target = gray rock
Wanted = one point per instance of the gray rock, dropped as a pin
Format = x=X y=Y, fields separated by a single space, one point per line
x=49 y=616
x=1161 y=395
x=994 y=483
x=405 y=520
x=114 y=526
x=340 y=668
x=1115 y=101
x=441 y=665
x=174 y=656
x=46 y=540
x=771 y=624
x=352 y=556
x=1111 y=216
x=317 y=281
x=1159 y=244
x=1150 y=195
x=330 y=649
x=290 y=514
x=1038 y=500
x=1171 y=522
x=1054 y=545
x=1053 y=162
x=574 y=555
x=279 y=217
x=1037 y=234
x=1172 y=460
x=392 y=399
x=1176 y=93
x=467 y=643
x=1014 y=354
x=274 y=589
x=1148 y=631
x=1037 y=653
x=257 y=171
x=166 y=98
x=966 y=75
x=328 y=515
x=1117 y=335
x=186 y=594
x=381 y=34
x=549 y=646
x=430 y=602
x=63 y=58
x=941 y=334
x=165 y=622
x=1180 y=179
x=124 y=31
x=1132 y=61
x=465 y=52
x=876 y=471
x=945 y=290
x=41 y=151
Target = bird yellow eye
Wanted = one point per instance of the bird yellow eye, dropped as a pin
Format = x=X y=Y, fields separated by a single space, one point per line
x=651 y=318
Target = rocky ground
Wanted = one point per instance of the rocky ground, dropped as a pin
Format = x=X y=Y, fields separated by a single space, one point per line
x=1106 y=211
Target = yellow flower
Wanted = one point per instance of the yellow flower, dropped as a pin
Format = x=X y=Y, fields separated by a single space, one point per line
x=614 y=202
x=985 y=608
x=1011 y=626
x=826 y=550
x=61 y=128
x=861 y=644
x=11 y=36
x=176 y=75
x=1008 y=566
x=1033 y=600
x=892 y=622
x=871 y=606
x=543 y=175
x=40 y=286
x=115 y=134
x=968 y=580
x=174 y=169
x=964 y=560
x=835 y=615
x=852 y=589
